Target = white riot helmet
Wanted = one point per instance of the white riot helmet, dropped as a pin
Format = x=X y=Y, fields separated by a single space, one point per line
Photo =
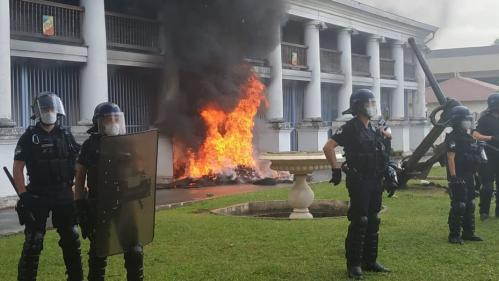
x=47 y=107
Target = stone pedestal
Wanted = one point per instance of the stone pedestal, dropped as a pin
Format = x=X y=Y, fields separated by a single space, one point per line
x=312 y=136
x=401 y=137
x=273 y=136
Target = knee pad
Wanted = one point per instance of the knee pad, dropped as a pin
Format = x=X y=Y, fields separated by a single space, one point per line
x=374 y=221
x=34 y=243
x=69 y=237
x=136 y=250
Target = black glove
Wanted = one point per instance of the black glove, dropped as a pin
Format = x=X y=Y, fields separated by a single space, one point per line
x=83 y=218
x=336 y=177
x=24 y=208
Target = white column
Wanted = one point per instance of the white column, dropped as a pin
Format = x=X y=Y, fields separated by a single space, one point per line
x=93 y=89
x=420 y=100
x=275 y=112
x=375 y=67
x=5 y=90
x=397 y=106
x=312 y=102
x=345 y=46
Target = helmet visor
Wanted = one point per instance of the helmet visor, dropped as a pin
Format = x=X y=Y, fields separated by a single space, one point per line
x=46 y=103
x=112 y=124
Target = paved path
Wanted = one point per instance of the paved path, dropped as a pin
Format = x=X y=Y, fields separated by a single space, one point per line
x=9 y=223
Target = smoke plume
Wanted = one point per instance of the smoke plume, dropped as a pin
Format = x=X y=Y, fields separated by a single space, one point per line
x=206 y=44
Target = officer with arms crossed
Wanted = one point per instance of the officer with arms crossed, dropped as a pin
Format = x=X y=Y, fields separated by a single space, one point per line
x=108 y=120
x=464 y=156
x=366 y=151
x=49 y=152
x=488 y=130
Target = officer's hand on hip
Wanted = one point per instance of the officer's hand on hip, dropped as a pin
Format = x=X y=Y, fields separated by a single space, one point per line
x=336 y=176
x=24 y=208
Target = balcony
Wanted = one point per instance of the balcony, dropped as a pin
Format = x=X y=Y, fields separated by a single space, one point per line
x=330 y=61
x=45 y=21
x=360 y=65
x=125 y=32
x=387 y=68
x=409 y=71
x=294 y=56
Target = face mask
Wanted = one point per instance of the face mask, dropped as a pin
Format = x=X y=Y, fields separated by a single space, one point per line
x=112 y=129
x=466 y=124
x=371 y=111
x=48 y=118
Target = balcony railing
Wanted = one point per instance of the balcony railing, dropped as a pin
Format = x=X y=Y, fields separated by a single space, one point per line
x=409 y=71
x=387 y=68
x=294 y=56
x=132 y=33
x=360 y=65
x=45 y=21
x=330 y=61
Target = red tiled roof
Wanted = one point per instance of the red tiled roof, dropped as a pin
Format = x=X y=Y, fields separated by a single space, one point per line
x=463 y=89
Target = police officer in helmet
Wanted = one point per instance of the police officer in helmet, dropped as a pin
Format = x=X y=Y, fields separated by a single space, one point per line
x=366 y=149
x=488 y=130
x=48 y=152
x=464 y=156
x=108 y=120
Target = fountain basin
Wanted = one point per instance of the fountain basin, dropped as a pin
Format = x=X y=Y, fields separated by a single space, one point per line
x=280 y=209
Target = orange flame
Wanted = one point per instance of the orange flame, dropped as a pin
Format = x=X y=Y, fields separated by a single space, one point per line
x=229 y=135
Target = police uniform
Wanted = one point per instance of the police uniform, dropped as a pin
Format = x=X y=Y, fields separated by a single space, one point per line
x=488 y=125
x=50 y=163
x=89 y=158
x=366 y=153
x=468 y=157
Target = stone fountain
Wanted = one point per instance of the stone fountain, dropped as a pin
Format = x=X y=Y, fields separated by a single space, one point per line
x=300 y=164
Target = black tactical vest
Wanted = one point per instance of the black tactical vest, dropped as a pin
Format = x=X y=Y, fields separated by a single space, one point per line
x=469 y=152
x=51 y=163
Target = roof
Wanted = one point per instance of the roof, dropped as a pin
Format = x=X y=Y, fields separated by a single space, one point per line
x=463 y=89
x=464 y=52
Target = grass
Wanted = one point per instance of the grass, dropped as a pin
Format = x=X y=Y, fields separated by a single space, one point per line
x=192 y=244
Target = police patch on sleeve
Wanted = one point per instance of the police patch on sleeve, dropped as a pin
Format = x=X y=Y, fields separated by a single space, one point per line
x=18 y=151
x=339 y=131
x=452 y=144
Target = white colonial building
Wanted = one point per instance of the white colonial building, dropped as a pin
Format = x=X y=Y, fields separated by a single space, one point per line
x=87 y=54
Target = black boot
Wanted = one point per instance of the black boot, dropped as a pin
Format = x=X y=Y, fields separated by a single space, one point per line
x=70 y=245
x=134 y=263
x=96 y=266
x=455 y=222
x=469 y=223
x=371 y=247
x=30 y=256
x=354 y=246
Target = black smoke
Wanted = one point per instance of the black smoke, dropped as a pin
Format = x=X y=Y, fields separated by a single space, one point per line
x=207 y=42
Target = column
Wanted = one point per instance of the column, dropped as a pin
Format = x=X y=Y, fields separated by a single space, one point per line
x=93 y=89
x=420 y=100
x=374 y=67
x=275 y=112
x=5 y=88
x=312 y=102
x=345 y=46
x=397 y=106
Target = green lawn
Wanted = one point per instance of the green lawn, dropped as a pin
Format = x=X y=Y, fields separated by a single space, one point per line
x=192 y=244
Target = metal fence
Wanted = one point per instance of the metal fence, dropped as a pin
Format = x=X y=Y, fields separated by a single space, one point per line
x=36 y=76
x=387 y=68
x=129 y=91
x=360 y=65
x=62 y=22
x=330 y=61
x=131 y=32
x=294 y=55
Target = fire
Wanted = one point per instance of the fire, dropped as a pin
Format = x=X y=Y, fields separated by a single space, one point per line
x=229 y=135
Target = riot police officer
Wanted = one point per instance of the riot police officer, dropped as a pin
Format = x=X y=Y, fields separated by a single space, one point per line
x=49 y=152
x=108 y=120
x=464 y=156
x=366 y=150
x=488 y=130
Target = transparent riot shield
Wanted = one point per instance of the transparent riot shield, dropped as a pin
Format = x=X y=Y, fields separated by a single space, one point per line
x=126 y=192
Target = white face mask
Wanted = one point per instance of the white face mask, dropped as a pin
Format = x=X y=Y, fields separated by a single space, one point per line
x=48 y=118
x=112 y=129
x=371 y=111
x=466 y=124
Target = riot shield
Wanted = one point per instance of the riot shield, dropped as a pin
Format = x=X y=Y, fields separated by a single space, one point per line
x=126 y=192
